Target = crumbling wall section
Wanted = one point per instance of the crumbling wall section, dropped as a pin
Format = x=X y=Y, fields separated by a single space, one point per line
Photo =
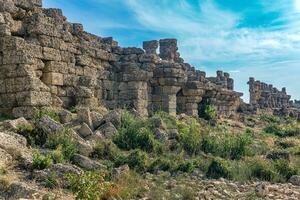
x=47 y=61
x=264 y=95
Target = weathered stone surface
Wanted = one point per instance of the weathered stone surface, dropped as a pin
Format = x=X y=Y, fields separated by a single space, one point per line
x=86 y=163
x=47 y=61
x=15 y=124
x=48 y=125
x=295 y=180
x=65 y=116
x=85 y=130
x=108 y=130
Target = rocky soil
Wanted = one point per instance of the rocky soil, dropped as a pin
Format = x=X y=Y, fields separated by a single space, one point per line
x=20 y=180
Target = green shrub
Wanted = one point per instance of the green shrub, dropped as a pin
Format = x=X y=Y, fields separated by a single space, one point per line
x=269 y=118
x=106 y=150
x=218 y=168
x=169 y=120
x=137 y=160
x=57 y=155
x=88 y=186
x=291 y=128
x=186 y=166
x=51 y=181
x=134 y=134
x=41 y=162
x=65 y=141
x=39 y=113
x=285 y=170
x=262 y=170
x=190 y=136
x=161 y=164
x=208 y=112
x=28 y=131
x=274 y=129
x=226 y=145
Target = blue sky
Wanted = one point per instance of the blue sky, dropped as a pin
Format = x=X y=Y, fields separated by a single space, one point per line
x=259 y=38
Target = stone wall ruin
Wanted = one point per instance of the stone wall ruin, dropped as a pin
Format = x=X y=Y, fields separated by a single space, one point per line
x=47 y=61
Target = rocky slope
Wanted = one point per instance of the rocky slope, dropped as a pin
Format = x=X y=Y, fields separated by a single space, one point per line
x=49 y=156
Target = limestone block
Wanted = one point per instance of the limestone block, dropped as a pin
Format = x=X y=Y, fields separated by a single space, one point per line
x=4 y=30
x=54 y=66
x=51 y=54
x=33 y=98
x=2 y=20
x=53 y=78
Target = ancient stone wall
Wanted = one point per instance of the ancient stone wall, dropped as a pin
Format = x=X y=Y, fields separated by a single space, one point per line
x=47 y=61
x=264 y=95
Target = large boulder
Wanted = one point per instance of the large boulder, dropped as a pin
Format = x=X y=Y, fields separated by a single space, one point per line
x=5 y=158
x=108 y=130
x=15 y=124
x=84 y=148
x=16 y=146
x=21 y=190
x=48 y=125
x=85 y=130
x=65 y=116
x=113 y=117
x=295 y=180
x=96 y=119
x=84 y=115
x=86 y=163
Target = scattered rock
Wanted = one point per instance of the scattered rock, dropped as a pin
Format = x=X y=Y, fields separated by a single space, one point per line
x=5 y=158
x=84 y=115
x=18 y=190
x=86 y=163
x=65 y=116
x=278 y=155
x=15 y=124
x=295 y=180
x=117 y=172
x=84 y=148
x=48 y=125
x=114 y=117
x=108 y=130
x=85 y=130
x=96 y=119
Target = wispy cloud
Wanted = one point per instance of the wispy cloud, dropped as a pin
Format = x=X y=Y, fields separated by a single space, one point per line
x=211 y=37
x=259 y=38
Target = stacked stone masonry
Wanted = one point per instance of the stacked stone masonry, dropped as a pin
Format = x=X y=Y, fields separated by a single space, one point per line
x=265 y=95
x=47 y=61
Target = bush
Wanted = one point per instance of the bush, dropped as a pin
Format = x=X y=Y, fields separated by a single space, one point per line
x=51 y=181
x=291 y=128
x=41 y=162
x=128 y=185
x=269 y=118
x=186 y=166
x=190 y=136
x=262 y=170
x=161 y=164
x=218 y=168
x=88 y=186
x=39 y=113
x=33 y=136
x=134 y=134
x=65 y=141
x=169 y=120
x=106 y=150
x=285 y=170
x=274 y=129
x=208 y=112
x=57 y=155
x=137 y=160
x=226 y=145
